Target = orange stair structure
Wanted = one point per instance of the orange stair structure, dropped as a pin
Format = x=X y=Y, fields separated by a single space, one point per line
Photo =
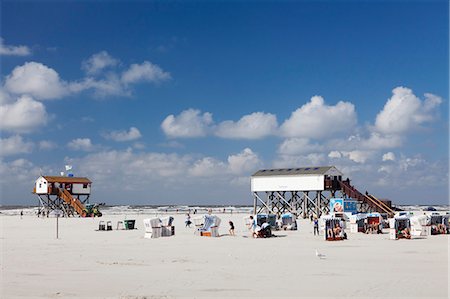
x=75 y=203
x=370 y=201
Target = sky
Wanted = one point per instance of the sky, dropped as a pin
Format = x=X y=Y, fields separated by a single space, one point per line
x=168 y=102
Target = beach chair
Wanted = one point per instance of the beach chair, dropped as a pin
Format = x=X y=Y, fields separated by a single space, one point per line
x=334 y=231
x=119 y=225
x=288 y=222
x=210 y=226
x=419 y=226
x=400 y=228
x=147 y=227
x=109 y=225
x=167 y=229
x=156 y=228
x=101 y=225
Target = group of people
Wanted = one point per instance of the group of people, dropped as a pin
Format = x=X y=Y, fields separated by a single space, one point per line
x=370 y=228
x=336 y=231
x=259 y=231
x=438 y=229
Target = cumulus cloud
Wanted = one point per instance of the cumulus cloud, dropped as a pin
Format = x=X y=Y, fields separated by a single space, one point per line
x=98 y=62
x=36 y=80
x=244 y=162
x=335 y=155
x=189 y=123
x=404 y=111
x=358 y=156
x=14 y=145
x=389 y=156
x=81 y=144
x=298 y=146
x=13 y=50
x=120 y=136
x=207 y=167
x=253 y=126
x=317 y=120
x=145 y=71
x=22 y=116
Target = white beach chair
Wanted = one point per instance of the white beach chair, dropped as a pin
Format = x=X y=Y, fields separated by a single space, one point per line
x=155 y=225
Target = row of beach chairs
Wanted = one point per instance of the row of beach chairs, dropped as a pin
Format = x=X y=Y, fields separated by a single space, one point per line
x=107 y=225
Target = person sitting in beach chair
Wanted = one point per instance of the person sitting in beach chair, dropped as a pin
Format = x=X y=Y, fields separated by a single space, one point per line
x=263 y=231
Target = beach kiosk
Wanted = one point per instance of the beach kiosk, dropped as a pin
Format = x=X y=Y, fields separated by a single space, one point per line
x=68 y=194
x=400 y=227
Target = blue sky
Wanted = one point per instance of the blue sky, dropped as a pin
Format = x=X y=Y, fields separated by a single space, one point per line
x=180 y=102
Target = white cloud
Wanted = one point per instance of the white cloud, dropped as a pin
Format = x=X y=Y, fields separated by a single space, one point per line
x=24 y=115
x=81 y=144
x=145 y=71
x=108 y=86
x=47 y=145
x=253 y=126
x=207 y=167
x=98 y=62
x=335 y=155
x=298 y=146
x=14 y=145
x=36 y=80
x=404 y=111
x=13 y=50
x=389 y=156
x=380 y=141
x=244 y=162
x=317 y=120
x=358 y=156
x=189 y=123
x=132 y=134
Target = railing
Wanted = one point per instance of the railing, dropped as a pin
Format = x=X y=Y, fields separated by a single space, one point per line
x=368 y=199
x=73 y=202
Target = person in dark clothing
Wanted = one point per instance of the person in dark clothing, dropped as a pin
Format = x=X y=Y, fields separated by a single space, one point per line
x=231 y=227
x=316 y=226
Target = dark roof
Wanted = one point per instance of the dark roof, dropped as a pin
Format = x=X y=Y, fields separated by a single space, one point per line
x=314 y=170
x=67 y=179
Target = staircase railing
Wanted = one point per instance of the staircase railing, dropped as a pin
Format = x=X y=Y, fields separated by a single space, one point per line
x=73 y=202
x=371 y=200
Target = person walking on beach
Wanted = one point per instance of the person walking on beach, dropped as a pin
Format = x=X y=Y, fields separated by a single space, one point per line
x=231 y=227
x=188 y=220
x=316 y=226
x=21 y=214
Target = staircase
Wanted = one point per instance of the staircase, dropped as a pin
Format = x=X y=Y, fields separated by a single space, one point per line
x=368 y=199
x=73 y=202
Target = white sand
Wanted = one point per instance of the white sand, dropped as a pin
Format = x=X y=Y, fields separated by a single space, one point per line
x=85 y=263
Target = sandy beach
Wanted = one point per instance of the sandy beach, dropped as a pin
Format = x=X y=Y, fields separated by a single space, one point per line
x=85 y=263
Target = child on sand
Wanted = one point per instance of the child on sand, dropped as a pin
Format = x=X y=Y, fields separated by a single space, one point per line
x=231 y=228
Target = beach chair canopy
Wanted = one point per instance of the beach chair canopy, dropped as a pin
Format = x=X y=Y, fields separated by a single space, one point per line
x=402 y=222
x=436 y=219
x=287 y=219
x=420 y=220
x=269 y=218
x=167 y=221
